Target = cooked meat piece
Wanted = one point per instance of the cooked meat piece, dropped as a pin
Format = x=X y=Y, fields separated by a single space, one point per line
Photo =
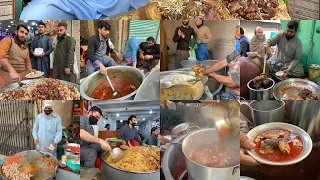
x=261 y=81
x=269 y=143
x=296 y=142
x=272 y=136
x=284 y=147
x=211 y=14
x=267 y=150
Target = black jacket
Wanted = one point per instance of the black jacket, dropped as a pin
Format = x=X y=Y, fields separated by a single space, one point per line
x=154 y=51
x=93 y=45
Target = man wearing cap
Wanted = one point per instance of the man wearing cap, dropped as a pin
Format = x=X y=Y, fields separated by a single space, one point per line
x=14 y=57
x=64 y=55
x=257 y=42
x=204 y=37
x=47 y=130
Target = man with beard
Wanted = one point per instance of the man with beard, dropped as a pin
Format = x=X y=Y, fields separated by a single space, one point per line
x=91 y=145
x=182 y=36
x=129 y=133
x=151 y=55
x=257 y=43
x=288 y=53
x=97 y=55
x=64 y=55
x=204 y=37
x=152 y=139
x=14 y=57
x=47 y=130
x=41 y=62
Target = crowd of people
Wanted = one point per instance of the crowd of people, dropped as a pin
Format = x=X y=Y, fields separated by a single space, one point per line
x=17 y=58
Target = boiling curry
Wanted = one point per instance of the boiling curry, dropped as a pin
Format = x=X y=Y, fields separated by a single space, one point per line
x=104 y=91
x=278 y=145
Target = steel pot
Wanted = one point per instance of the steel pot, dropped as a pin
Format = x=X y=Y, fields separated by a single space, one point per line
x=131 y=74
x=110 y=172
x=265 y=111
x=150 y=88
x=260 y=94
x=306 y=115
x=200 y=172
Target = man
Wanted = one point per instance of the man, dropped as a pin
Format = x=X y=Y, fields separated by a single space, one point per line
x=151 y=55
x=288 y=53
x=89 y=144
x=129 y=133
x=97 y=55
x=232 y=81
x=47 y=130
x=41 y=62
x=153 y=138
x=182 y=36
x=106 y=128
x=133 y=50
x=204 y=37
x=257 y=43
x=14 y=57
x=242 y=43
x=78 y=9
x=64 y=55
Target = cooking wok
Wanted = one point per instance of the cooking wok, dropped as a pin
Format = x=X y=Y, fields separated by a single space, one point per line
x=31 y=156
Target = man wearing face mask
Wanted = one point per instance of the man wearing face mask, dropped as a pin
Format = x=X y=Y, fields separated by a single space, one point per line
x=64 y=55
x=47 y=130
x=91 y=145
x=129 y=133
x=14 y=57
x=288 y=53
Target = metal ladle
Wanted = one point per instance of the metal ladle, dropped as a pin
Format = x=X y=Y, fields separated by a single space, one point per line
x=168 y=84
x=114 y=93
x=116 y=154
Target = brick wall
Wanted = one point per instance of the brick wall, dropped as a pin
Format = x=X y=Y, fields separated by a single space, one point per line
x=6 y=10
x=304 y=9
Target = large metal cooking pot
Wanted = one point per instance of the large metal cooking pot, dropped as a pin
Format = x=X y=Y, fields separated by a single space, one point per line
x=200 y=172
x=299 y=84
x=260 y=94
x=33 y=154
x=131 y=74
x=214 y=86
x=150 y=88
x=113 y=173
x=265 y=111
x=306 y=115
x=189 y=63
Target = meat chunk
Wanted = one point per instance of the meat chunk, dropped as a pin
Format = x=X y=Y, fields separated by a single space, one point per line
x=284 y=147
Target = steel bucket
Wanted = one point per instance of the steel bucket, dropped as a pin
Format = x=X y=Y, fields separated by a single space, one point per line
x=265 y=111
x=131 y=74
x=261 y=94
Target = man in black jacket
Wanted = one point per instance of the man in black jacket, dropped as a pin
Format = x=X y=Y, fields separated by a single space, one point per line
x=98 y=49
x=151 y=56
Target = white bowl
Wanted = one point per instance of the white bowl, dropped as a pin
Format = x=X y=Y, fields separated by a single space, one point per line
x=279 y=73
x=306 y=139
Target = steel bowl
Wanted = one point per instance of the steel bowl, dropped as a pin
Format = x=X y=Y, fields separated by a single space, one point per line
x=150 y=87
x=70 y=152
x=131 y=74
x=307 y=142
x=295 y=82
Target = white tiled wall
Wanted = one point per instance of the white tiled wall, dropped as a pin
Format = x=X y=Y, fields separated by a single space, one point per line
x=304 y=9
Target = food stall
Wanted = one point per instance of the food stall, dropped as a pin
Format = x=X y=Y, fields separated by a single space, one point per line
x=135 y=162
x=276 y=86
x=291 y=130
x=20 y=158
x=204 y=140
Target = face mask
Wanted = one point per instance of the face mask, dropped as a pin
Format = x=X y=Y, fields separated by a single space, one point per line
x=47 y=112
x=93 y=120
